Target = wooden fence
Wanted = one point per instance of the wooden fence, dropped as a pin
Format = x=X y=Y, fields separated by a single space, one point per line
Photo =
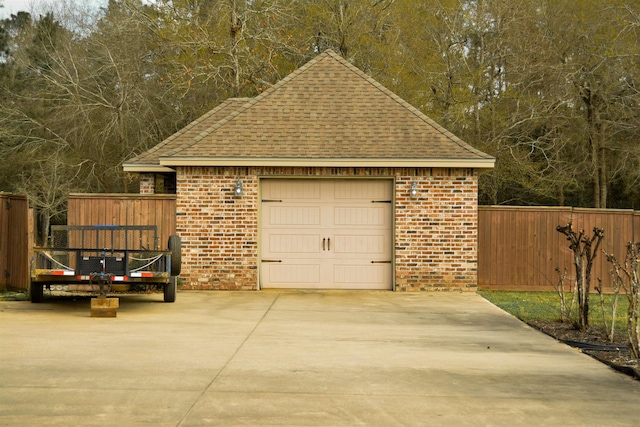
x=16 y=241
x=519 y=247
x=125 y=209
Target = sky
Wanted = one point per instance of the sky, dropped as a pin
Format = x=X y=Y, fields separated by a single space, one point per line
x=15 y=6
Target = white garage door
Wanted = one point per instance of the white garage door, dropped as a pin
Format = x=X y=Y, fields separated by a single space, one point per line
x=326 y=234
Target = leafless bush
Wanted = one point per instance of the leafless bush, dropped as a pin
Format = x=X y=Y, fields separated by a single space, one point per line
x=565 y=312
x=627 y=277
x=584 y=250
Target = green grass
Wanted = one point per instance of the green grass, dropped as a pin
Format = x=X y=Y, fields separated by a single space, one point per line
x=13 y=296
x=545 y=307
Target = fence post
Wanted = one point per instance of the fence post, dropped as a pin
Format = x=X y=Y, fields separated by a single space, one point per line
x=31 y=242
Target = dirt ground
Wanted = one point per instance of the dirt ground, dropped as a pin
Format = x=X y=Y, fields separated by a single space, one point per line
x=594 y=343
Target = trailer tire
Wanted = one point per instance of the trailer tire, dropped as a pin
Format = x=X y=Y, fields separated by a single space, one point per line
x=175 y=246
x=170 y=290
x=36 y=292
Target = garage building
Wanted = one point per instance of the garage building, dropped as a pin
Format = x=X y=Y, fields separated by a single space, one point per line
x=326 y=180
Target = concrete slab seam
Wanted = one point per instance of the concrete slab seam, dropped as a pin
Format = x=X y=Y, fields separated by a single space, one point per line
x=186 y=414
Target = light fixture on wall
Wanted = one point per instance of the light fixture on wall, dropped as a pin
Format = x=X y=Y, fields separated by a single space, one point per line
x=237 y=190
x=413 y=192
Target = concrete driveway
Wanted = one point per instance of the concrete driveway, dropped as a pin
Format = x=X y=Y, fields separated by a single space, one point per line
x=297 y=358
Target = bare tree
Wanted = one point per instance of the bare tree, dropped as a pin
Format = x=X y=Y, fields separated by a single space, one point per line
x=549 y=88
x=584 y=250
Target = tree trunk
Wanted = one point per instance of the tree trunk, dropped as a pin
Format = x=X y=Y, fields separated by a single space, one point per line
x=45 y=221
x=596 y=174
x=589 y=100
x=602 y=176
x=234 y=30
x=583 y=293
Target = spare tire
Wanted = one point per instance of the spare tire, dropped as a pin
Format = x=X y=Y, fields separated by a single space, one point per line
x=175 y=246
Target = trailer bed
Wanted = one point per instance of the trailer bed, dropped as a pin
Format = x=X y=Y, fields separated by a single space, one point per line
x=104 y=255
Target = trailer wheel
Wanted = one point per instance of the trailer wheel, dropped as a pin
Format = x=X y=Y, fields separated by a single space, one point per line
x=36 y=292
x=175 y=246
x=170 y=290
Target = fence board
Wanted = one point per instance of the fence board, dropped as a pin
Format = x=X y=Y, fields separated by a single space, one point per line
x=14 y=241
x=125 y=209
x=519 y=247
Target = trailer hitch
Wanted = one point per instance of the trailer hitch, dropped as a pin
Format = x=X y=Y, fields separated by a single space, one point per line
x=102 y=278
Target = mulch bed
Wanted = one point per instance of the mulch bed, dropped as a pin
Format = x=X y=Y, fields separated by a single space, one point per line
x=594 y=343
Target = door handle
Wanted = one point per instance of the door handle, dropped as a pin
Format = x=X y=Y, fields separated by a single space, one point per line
x=329 y=243
x=323 y=242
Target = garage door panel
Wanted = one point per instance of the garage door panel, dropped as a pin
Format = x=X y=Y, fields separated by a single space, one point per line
x=291 y=189
x=292 y=215
x=360 y=216
x=353 y=244
x=372 y=276
x=292 y=274
x=293 y=244
x=362 y=190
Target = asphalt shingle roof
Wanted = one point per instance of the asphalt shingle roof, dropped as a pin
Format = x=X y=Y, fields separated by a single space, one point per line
x=184 y=137
x=327 y=110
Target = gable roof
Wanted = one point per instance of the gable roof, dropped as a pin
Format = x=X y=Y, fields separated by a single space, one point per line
x=326 y=113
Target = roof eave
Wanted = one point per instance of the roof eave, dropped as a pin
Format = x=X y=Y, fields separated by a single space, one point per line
x=136 y=167
x=487 y=163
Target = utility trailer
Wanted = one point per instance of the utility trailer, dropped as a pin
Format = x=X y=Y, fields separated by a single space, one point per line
x=104 y=255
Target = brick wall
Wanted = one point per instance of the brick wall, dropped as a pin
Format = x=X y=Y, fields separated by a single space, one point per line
x=147 y=183
x=435 y=236
x=219 y=231
x=436 y=233
x=156 y=183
